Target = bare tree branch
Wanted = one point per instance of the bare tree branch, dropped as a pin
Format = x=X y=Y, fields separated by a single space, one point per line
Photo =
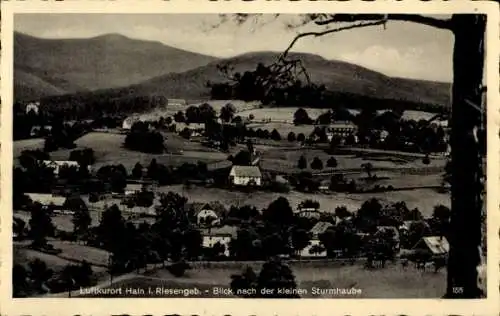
x=416 y=18
x=317 y=34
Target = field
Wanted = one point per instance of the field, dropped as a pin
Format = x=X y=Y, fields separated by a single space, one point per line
x=283 y=160
x=423 y=199
x=26 y=144
x=57 y=263
x=391 y=282
x=109 y=150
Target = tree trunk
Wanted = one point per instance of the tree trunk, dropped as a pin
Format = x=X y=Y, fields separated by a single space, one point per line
x=466 y=162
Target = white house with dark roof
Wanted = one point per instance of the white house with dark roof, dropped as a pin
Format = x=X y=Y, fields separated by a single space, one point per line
x=435 y=245
x=314 y=243
x=58 y=164
x=222 y=235
x=245 y=176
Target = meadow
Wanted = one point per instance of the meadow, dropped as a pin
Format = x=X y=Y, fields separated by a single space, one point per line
x=108 y=149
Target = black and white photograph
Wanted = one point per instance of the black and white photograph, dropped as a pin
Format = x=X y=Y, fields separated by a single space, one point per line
x=249 y=155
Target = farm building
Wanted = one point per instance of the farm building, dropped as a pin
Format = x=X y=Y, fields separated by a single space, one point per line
x=38 y=130
x=245 y=176
x=207 y=213
x=33 y=106
x=176 y=102
x=222 y=235
x=308 y=212
x=58 y=164
x=342 y=129
x=435 y=245
x=315 y=249
x=133 y=188
x=196 y=129
x=129 y=121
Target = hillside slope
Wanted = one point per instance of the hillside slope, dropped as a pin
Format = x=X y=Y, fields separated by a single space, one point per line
x=101 y=62
x=337 y=76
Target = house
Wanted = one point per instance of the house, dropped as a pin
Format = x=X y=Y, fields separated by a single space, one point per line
x=245 y=176
x=38 y=130
x=341 y=128
x=315 y=248
x=33 y=106
x=222 y=235
x=196 y=129
x=207 y=213
x=308 y=212
x=176 y=102
x=129 y=121
x=434 y=245
x=57 y=165
x=133 y=188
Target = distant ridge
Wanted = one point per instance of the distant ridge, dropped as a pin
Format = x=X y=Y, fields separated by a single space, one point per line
x=101 y=62
x=336 y=75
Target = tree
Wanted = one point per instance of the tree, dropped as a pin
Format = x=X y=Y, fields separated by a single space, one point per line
x=279 y=212
x=137 y=171
x=342 y=212
x=426 y=160
x=316 y=164
x=291 y=137
x=331 y=162
x=301 y=137
x=81 y=221
x=468 y=68
x=300 y=239
x=241 y=283
x=227 y=112
x=179 y=117
x=242 y=158
x=41 y=225
x=301 y=117
x=368 y=168
x=276 y=275
x=302 y=163
x=19 y=281
x=275 y=135
x=39 y=272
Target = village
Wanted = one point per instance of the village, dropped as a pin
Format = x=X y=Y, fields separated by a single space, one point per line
x=334 y=193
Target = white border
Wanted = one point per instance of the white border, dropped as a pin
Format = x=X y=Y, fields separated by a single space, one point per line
x=192 y=306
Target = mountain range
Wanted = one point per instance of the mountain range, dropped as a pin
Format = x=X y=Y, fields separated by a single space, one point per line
x=46 y=67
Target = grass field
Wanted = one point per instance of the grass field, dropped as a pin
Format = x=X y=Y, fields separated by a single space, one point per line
x=109 y=150
x=26 y=144
x=423 y=199
x=287 y=160
x=391 y=282
x=56 y=263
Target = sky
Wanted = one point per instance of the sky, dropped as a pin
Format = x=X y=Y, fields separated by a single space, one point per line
x=403 y=49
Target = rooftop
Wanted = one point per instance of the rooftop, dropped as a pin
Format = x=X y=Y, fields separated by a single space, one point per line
x=246 y=171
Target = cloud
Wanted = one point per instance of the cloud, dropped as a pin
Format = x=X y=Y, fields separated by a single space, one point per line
x=401 y=62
